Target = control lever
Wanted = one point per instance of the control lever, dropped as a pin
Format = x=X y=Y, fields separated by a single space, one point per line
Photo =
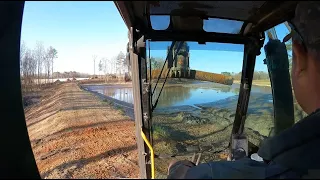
x=239 y=147
x=195 y=149
x=194 y=157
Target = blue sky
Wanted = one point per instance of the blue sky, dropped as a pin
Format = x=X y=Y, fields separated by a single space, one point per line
x=81 y=29
x=77 y=29
x=225 y=57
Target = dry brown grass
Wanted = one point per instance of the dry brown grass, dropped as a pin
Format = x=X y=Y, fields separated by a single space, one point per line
x=264 y=82
x=213 y=77
x=198 y=75
x=156 y=72
x=75 y=135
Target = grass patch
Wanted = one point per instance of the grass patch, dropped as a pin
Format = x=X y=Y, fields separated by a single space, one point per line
x=120 y=109
x=160 y=132
x=107 y=102
x=111 y=103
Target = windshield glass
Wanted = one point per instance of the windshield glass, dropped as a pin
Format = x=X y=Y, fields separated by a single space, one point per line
x=160 y=22
x=222 y=26
x=196 y=107
x=195 y=113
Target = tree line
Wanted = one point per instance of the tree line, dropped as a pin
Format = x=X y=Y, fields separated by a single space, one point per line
x=36 y=65
x=70 y=74
x=257 y=75
x=156 y=63
x=262 y=75
x=117 y=66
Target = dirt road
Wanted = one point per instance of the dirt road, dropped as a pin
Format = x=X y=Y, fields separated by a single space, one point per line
x=75 y=135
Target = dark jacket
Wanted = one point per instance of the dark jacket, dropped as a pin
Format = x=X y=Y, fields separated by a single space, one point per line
x=294 y=153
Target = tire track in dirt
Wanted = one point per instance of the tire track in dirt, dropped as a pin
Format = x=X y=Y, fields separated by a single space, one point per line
x=81 y=137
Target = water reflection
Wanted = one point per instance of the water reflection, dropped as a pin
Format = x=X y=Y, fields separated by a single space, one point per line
x=120 y=93
x=183 y=94
x=178 y=95
x=171 y=95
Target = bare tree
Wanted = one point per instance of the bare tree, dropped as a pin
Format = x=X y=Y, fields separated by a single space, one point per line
x=46 y=67
x=24 y=70
x=120 y=63
x=29 y=68
x=22 y=53
x=32 y=64
x=94 y=57
x=39 y=56
x=100 y=65
x=107 y=66
x=113 y=65
x=106 y=69
x=52 y=53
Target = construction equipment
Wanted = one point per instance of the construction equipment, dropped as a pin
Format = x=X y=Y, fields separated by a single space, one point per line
x=186 y=21
x=186 y=24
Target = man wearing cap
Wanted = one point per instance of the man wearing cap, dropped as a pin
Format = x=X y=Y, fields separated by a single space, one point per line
x=295 y=152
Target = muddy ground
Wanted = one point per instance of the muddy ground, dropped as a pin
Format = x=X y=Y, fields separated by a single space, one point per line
x=76 y=135
x=183 y=133
x=80 y=134
x=207 y=128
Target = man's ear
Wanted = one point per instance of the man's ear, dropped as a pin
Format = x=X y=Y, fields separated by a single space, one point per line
x=299 y=58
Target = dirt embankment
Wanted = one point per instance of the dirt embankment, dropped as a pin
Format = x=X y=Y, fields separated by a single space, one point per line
x=265 y=83
x=75 y=135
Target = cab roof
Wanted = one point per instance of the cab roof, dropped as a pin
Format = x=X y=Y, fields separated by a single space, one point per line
x=180 y=19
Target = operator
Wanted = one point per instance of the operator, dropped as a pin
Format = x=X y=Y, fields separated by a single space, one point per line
x=295 y=152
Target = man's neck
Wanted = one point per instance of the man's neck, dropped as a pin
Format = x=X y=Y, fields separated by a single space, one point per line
x=314 y=104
